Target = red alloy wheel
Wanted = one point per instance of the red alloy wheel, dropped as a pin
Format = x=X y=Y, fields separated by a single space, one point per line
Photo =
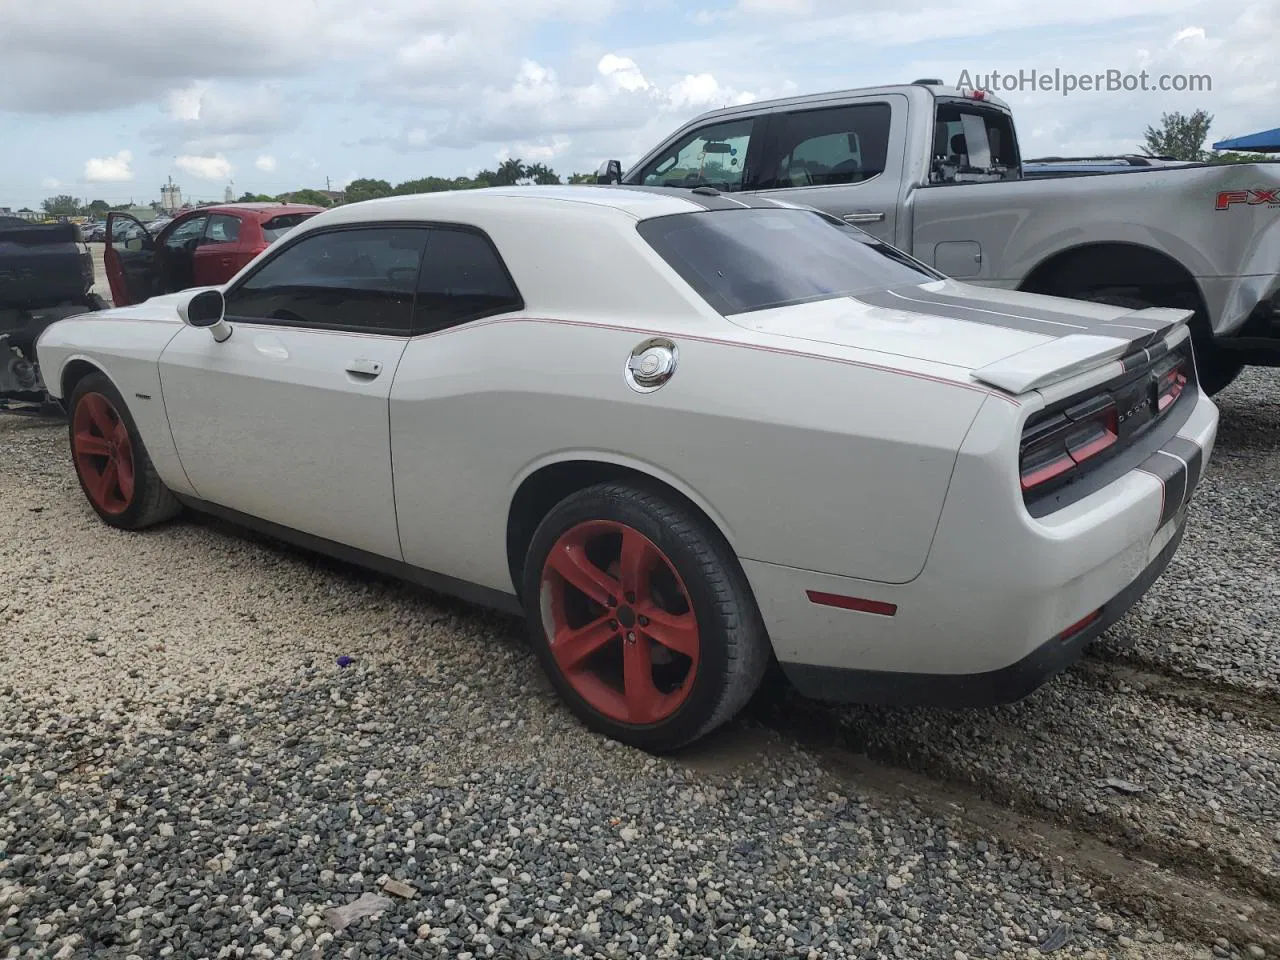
x=103 y=453
x=619 y=622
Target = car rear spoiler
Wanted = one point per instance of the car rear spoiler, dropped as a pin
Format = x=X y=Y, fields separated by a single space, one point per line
x=1065 y=357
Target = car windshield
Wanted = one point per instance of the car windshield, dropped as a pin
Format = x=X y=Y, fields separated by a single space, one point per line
x=755 y=259
x=277 y=227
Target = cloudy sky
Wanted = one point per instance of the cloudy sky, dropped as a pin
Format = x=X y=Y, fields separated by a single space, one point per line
x=108 y=99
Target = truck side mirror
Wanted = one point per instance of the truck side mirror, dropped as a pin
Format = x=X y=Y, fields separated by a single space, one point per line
x=610 y=172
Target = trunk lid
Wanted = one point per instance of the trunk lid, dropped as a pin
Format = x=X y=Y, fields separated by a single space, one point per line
x=1006 y=339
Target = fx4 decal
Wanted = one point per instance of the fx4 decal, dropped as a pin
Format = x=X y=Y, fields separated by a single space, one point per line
x=1251 y=198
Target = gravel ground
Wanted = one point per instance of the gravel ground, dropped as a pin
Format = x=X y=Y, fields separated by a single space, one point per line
x=1215 y=613
x=189 y=773
x=186 y=770
x=1200 y=785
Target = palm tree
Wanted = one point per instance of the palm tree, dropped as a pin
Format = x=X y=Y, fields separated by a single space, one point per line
x=541 y=173
x=509 y=171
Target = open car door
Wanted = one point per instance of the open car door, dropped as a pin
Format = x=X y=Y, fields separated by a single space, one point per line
x=132 y=260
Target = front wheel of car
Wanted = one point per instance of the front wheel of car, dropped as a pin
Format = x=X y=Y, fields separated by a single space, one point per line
x=642 y=617
x=111 y=461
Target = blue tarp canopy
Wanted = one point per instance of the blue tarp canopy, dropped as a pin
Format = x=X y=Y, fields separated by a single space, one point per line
x=1268 y=141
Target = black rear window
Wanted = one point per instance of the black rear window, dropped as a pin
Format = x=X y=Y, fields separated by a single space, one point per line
x=754 y=259
x=277 y=227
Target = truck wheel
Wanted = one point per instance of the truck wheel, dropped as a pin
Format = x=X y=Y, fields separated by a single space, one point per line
x=642 y=617
x=1216 y=368
x=116 y=474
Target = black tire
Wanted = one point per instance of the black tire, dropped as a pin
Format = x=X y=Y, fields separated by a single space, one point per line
x=733 y=642
x=152 y=502
x=1216 y=368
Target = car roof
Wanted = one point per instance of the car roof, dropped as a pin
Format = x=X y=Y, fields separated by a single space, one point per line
x=636 y=202
x=261 y=209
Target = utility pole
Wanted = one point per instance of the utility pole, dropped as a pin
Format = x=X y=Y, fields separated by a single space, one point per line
x=327 y=187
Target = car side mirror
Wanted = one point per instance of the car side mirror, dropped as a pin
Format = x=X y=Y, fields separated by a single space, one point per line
x=205 y=308
x=610 y=172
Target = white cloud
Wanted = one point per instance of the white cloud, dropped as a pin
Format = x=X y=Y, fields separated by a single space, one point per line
x=795 y=8
x=205 y=118
x=115 y=169
x=51 y=183
x=429 y=76
x=216 y=168
x=541 y=151
x=266 y=163
x=48 y=49
x=538 y=109
x=184 y=104
x=704 y=91
x=622 y=71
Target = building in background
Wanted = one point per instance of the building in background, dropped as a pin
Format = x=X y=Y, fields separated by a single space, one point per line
x=170 y=197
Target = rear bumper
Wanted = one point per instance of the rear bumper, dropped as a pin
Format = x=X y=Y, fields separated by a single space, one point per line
x=1003 y=685
x=990 y=617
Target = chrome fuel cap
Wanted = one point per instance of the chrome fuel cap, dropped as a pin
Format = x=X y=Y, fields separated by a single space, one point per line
x=651 y=364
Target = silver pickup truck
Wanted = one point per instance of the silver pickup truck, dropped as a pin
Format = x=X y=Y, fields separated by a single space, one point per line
x=936 y=172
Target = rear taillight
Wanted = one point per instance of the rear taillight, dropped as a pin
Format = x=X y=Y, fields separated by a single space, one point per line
x=1054 y=448
x=1171 y=379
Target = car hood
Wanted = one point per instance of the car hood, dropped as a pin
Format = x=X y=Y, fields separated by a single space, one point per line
x=1012 y=340
x=161 y=307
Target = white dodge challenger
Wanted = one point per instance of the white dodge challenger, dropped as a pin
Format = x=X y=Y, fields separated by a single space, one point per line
x=685 y=433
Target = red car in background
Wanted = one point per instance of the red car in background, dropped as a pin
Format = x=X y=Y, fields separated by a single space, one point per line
x=199 y=248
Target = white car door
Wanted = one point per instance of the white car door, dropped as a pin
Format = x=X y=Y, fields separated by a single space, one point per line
x=287 y=420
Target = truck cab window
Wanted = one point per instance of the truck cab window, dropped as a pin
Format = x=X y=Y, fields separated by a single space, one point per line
x=972 y=145
x=713 y=156
x=836 y=145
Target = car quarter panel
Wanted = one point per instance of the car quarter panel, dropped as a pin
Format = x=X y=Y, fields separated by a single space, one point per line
x=816 y=463
x=127 y=350
x=999 y=584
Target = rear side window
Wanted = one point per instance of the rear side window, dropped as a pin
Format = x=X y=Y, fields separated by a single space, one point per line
x=277 y=227
x=463 y=278
x=337 y=280
x=972 y=141
x=745 y=260
x=223 y=228
x=836 y=145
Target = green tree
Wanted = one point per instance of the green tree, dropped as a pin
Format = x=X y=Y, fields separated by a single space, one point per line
x=366 y=189
x=1180 y=136
x=1232 y=156
x=307 y=195
x=428 y=185
x=541 y=173
x=63 y=205
x=582 y=178
x=247 y=197
x=99 y=208
x=508 y=172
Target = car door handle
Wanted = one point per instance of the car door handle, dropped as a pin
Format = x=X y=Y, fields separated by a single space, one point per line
x=364 y=368
x=863 y=216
